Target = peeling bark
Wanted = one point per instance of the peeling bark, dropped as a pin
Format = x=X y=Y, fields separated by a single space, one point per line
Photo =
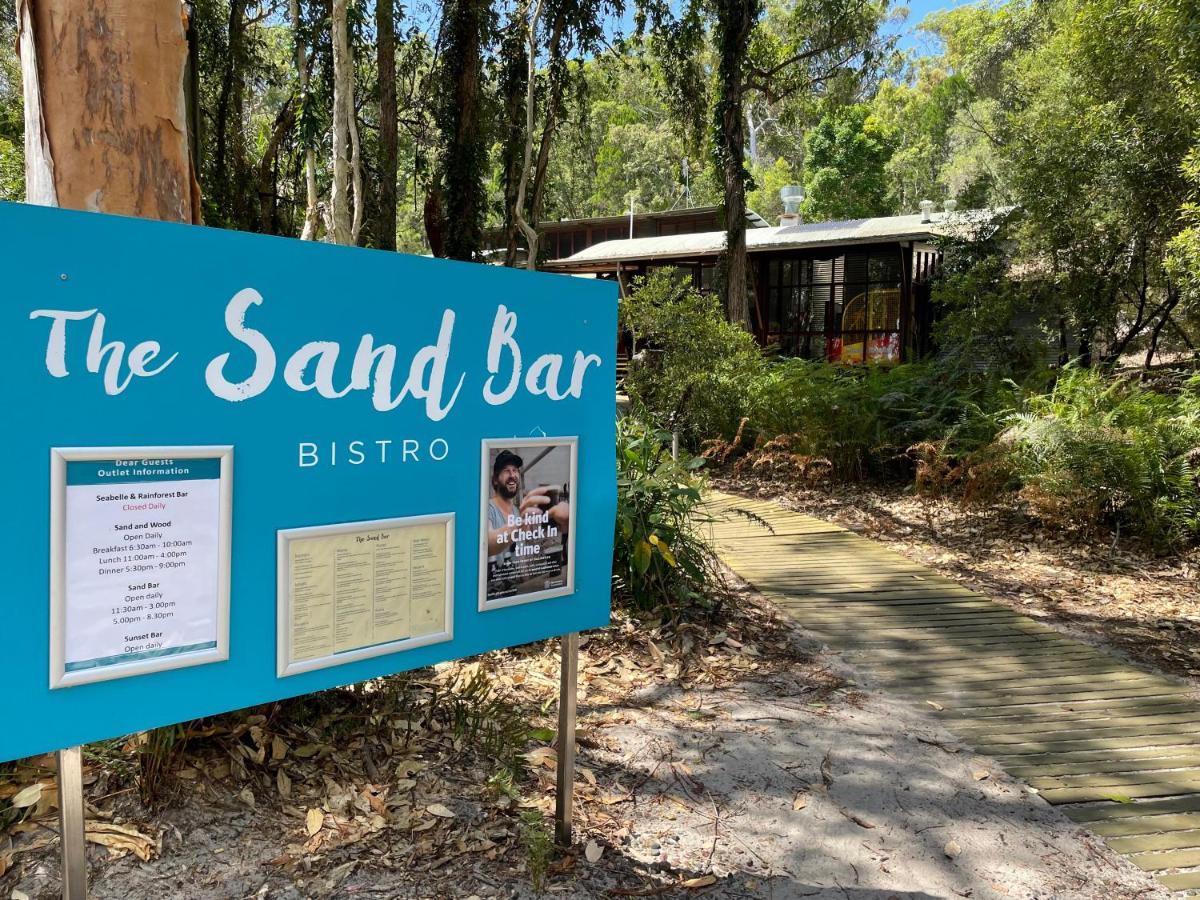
x=106 y=112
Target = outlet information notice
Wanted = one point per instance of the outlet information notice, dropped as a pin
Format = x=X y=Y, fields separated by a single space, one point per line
x=142 y=544
x=356 y=589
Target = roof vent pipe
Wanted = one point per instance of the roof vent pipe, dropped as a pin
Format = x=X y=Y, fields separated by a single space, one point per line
x=791 y=195
x=950 y=205
x=926 y=210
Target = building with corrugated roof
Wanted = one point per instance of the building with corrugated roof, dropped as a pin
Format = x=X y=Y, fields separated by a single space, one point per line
x=562 y=238
x=848 y=291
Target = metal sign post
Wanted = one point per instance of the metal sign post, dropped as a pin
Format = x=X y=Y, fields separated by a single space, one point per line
x=71 y=812
x=567 y=685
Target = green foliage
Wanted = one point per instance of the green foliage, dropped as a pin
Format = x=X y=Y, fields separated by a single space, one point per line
x=12 y=171
x=1106 y=451
x=929 y=159
x=12 y=123
x=538 y=844
x=1007 y=322
x=159 y=753
x=768 y=181
x=660 y=558
x=846 y=155
x=865 y=420
x=1183 y=261
x=1093 y=147
x=458 y=111
x=692 y=367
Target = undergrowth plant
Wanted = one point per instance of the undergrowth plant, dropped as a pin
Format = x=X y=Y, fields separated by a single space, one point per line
x=1097 y=450
x=692 y=369
x=1084 y=450
x=661 y=556
x=866 y=422
x=538 y=845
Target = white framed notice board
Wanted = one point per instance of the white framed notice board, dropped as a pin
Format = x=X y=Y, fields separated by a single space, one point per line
x=139 y=560
x=357 y=590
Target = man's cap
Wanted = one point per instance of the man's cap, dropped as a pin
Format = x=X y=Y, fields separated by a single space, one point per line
x=506 y=458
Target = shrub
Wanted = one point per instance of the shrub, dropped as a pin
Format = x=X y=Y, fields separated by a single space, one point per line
x=661 y=556
x=1102 y=451
x=692 y=369
x=866 y=421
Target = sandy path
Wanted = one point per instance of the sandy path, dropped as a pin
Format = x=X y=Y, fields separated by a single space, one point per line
x=884 y=790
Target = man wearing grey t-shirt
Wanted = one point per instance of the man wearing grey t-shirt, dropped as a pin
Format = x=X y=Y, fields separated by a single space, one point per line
x=506 y=485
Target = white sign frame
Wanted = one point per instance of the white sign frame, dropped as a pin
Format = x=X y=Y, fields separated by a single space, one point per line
x=284 y=665
x=59 y=457
x=485 y=605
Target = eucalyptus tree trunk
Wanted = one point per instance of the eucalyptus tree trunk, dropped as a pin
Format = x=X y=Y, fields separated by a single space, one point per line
x=389 y=170
x=311 y=218
x=268 y=170
x=735 y=22
x=227 y=184
x=105 y=107
x=530 y=231
x=106 y=129
x=511 y=88
x=343 y=114
x=554 y=99
x=457 y=201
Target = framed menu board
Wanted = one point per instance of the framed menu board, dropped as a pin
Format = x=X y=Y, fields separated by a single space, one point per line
x=361 y=589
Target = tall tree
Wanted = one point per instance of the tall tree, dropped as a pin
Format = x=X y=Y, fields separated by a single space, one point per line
x=845 y=161
x=1094 y=148
x=518 y=210
x=773 y=50
x=346 y=198
x=570 y=26
x=308 y=230
x=457 y=202
x=551 y=31
x=385 y=49
x=229 y=182
x=512 y=81
x=126 y=150
x=735 y=21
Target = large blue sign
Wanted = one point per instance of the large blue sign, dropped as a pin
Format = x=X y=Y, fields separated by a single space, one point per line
x=242 y=468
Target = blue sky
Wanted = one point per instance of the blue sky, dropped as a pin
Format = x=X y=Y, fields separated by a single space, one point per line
x=910 y=39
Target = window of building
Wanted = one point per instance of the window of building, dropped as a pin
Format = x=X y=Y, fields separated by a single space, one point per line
x=843 y=309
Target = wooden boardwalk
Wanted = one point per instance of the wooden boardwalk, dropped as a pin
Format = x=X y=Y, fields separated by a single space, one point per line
x=1115 y=747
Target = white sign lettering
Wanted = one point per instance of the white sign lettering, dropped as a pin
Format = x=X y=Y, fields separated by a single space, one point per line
x=313 y=366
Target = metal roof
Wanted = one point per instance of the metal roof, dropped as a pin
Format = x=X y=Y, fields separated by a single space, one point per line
x=753 y=219
x=605 y=255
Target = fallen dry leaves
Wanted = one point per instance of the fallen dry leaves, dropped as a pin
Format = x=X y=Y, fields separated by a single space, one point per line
x=406 y=774
x=121 y=840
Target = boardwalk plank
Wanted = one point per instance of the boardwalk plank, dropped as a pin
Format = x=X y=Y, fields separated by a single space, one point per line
x=1097 y=812
x=1116 y=746
x=1146 y=825
x=1151 y=760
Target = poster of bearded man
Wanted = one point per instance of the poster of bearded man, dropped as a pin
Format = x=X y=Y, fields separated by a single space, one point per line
x=528 y=520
